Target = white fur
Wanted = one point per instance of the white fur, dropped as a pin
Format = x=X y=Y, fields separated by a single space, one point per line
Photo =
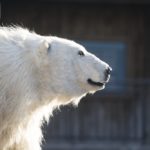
x=38 y=74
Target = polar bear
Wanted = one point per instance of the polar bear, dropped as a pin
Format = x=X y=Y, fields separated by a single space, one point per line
x=38 y=74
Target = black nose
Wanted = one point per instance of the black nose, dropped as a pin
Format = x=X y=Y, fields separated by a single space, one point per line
x=108 y=71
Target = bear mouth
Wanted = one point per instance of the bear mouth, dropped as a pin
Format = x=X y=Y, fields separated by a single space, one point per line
x=91 y=82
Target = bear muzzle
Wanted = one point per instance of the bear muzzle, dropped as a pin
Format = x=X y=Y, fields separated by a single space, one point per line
x=107 y=73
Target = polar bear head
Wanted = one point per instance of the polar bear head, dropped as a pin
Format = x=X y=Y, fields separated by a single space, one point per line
x=73 y=71
x=52 y=67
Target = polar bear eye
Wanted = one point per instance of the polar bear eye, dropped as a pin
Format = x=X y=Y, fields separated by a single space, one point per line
x=81 y=53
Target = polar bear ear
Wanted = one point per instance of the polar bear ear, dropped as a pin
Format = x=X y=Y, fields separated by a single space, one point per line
x=44 y=47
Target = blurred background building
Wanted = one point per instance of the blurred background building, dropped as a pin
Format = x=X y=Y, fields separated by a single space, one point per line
x=117 y=31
